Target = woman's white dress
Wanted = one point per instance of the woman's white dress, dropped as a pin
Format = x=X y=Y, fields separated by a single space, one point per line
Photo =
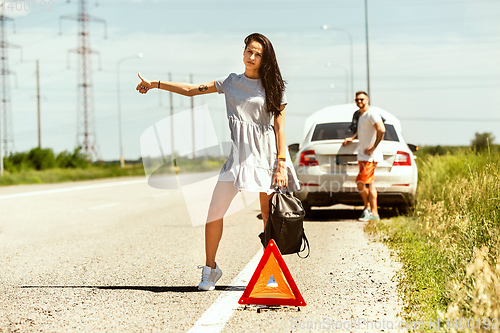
x=253 y=157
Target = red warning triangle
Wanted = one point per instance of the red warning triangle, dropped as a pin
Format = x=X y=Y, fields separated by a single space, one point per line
x=278 y=290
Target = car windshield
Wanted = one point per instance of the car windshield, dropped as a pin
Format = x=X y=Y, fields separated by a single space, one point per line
x=340 y=131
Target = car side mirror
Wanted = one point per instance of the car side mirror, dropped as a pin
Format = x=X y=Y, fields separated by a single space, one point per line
x=293 y=148
x=413 y=148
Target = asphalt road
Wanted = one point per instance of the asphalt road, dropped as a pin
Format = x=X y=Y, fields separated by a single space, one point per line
x=120 y=256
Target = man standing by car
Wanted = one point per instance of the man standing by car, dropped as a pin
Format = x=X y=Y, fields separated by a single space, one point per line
x=370 y=131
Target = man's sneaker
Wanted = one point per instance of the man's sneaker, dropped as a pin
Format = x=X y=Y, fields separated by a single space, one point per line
x=364 y=216
x=209 y=277
x=373 y=218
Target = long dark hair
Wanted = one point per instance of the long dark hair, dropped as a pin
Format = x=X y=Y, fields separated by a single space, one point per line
x=269 y=73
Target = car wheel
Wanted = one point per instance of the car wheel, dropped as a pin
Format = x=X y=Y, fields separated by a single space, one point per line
x=403 y=209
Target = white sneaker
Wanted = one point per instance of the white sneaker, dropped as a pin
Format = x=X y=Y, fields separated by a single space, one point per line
x=365 y=216
x=209 y=277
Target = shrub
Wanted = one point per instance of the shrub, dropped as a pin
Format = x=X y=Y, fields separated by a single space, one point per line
x=42 y=159
x=16 y=162
x=482 y=141
x=77 y=159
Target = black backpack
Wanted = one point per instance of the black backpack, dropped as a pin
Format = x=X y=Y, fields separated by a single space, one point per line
x=285 y=224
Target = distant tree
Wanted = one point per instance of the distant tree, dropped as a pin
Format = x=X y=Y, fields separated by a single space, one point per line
x=437 y=150
x=77 y=159
x=482 y=141
x=42 y=159
x=16 y=162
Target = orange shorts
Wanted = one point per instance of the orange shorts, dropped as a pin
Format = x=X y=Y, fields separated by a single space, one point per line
x=366 y=173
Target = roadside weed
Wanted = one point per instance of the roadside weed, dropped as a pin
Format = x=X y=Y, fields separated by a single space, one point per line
x=450 y=245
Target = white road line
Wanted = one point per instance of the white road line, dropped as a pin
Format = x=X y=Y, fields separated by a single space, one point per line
x=104 y=206
x=71 y=189
x=216 y=317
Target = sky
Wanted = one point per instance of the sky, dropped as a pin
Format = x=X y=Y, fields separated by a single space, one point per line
x=433 y=64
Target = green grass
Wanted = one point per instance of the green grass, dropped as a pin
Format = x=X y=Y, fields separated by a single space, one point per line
x=424 y=274
x=57 y=175
x=457 y=213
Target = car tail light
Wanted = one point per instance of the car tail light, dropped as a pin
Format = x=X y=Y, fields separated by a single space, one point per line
x=308 y=158
x=402 y=158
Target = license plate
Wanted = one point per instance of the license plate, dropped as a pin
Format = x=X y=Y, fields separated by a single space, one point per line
x=347 y=159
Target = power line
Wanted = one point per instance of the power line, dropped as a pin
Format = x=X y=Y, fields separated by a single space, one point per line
x=298 y=91
x=489 y=120
x=432 y=2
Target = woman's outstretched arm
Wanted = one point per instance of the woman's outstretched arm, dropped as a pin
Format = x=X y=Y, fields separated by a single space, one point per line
x=280 y=175
x=185 y=89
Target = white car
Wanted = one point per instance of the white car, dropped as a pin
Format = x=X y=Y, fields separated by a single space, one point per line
x=327 y=170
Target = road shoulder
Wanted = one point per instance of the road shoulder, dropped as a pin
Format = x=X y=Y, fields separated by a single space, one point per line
x=349 y=276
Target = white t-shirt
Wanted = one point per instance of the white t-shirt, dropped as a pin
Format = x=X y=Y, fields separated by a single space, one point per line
x=367 y=135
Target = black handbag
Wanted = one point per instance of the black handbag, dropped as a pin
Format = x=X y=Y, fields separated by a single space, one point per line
x=285 y=224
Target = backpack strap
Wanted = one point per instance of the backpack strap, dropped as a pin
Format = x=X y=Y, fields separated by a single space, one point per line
x=354 y=122
x=306 y=243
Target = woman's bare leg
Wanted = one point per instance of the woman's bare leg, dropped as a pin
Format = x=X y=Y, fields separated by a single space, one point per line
x=213 y=234
x=222 y=196
x=264 y=206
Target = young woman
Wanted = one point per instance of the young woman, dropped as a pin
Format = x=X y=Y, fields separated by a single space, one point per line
x=259 y=160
